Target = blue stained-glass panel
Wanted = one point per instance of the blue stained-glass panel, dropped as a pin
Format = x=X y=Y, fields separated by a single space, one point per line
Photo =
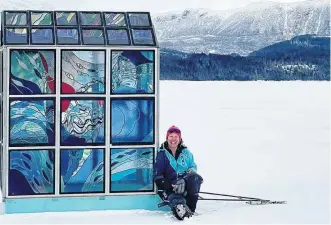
x=16 y=19
x=132 y=71
x=67 y=36
x=41 y=18
x=16 y=36
x=118 y=37
x=132 y=121
x=131 y=169
x=31 y=122
x=82 y=170
x=139 y=19
x=90 y=19
x=93 y=37
x=66 y=18
x=83 y=72
x=143 y=37
x=115 y=19
x=82 y=121
x=32 y=72
x=42 y=36
x=31 y=172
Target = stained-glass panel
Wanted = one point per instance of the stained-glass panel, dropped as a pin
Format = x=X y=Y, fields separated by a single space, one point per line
x=16 y=18
x=82 y=170
x=16 y=36
x=83 y=72
x=67 y=36
x=93 y=36
x=66 y=18
x=115 y=19
x=32 y=72
x=131 y=169
x=90 y=19
x=139 y=19
x=42 y=36
x=31 y=122
x=41 y=18
x=132 y=71
x=132 y=121
x=82 y=121
x=31 y=172
x=118 y=37
x=143 y=37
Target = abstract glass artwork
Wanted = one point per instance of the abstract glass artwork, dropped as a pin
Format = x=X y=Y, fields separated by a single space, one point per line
x=90 y=19
x=118 y=37
x=41 y=18
x=82 y=121
x=42 y=36
x=69 y=36
x=16 y=19
x=132 y=121
x=32 y=72
x=83 y=72
x=16 y=36
x=131 y=169
x=133 y=71
x=32 y=122
x=82 y=170
x=115 y=19
x=143 y=37
x=66 y=18
x=93 y=36
x=139 y=19
x=31 y=172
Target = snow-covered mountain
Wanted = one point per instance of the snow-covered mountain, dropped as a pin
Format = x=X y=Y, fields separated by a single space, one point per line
x=242 y=30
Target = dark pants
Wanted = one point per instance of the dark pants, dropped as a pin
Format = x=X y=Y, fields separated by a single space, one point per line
x=190 y=197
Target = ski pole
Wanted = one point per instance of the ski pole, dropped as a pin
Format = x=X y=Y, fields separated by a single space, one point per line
x=236 y=196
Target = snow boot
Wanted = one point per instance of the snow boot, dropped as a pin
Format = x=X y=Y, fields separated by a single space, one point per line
x=181 y=211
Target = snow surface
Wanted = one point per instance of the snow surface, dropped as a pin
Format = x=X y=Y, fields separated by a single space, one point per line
x=261 y=139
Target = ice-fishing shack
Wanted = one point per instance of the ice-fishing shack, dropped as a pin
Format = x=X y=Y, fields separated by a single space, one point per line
x=79 y=110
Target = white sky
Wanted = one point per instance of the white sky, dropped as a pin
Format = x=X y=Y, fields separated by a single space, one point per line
x=154 y=6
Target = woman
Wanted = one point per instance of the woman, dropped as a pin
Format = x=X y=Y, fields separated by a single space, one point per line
x=175 y=174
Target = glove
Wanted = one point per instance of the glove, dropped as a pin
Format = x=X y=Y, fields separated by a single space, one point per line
x=179 y=187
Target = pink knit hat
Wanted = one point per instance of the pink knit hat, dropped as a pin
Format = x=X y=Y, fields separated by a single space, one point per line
x=174 y=129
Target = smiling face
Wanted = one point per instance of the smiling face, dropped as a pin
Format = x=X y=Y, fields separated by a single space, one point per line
x=173 y=140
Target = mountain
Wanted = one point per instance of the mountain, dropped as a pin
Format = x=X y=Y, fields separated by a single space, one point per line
x=305 y=57
x=242 y=30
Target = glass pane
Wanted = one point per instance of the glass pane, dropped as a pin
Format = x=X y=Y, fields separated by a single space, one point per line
x=92 y=19
x=118 y=37
x=93 y=37
x=16 y=36
x=66 y=18
x=132 y=71
x=16 y=18
x=31 y=172
x=83 y=72
x=67 y=36
x=132 y=121
x=132 y=169
x=82 y=170
x=115 y=19
x=32 y=72
x=41 y=18
x=139 y=19
x=143 y=37
x=32 y=122
x=42 y=36
x=82 y=121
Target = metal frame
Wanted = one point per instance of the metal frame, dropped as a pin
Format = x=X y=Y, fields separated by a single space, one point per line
x=108 y=146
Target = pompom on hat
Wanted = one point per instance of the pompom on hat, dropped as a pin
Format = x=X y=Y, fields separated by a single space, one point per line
x=174 y=129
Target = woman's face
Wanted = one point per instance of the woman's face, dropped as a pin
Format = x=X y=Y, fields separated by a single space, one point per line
x=173 y=140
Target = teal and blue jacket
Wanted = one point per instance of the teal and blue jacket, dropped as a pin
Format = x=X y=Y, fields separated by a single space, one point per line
x=169 y=167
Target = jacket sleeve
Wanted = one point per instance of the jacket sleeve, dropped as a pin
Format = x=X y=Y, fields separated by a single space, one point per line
x=159 y=170
x=192 y=165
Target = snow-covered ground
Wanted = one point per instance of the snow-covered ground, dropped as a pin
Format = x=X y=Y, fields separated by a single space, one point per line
x=261 y=139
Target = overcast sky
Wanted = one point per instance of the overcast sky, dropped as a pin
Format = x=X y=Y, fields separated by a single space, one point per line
x=153 y=6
